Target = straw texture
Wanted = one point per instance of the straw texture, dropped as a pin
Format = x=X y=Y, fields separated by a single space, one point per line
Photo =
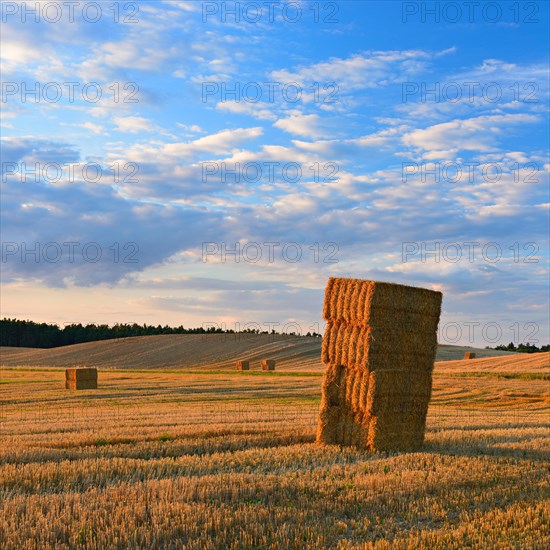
x=268 y=364
x=243 y=365
x=81 y=379
x=379 y=347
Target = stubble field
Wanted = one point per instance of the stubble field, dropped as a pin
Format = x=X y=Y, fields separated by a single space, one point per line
x=227 y=460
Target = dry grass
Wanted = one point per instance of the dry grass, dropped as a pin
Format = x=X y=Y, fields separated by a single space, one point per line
x=195 y=351
x=228 y=461
x=517 y=363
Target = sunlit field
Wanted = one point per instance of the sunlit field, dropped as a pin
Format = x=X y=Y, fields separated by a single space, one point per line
x=228 y=460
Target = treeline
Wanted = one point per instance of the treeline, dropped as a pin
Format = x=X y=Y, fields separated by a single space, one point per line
x=29 y=334
x=523 y=348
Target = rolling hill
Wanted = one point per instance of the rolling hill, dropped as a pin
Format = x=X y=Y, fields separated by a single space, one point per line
x=206 y=352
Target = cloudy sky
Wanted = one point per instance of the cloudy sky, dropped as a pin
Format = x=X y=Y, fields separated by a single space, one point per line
x=187 y=162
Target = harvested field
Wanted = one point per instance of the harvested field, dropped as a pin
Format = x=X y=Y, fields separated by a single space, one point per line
x=196 y=351
x=198 y=460
x=518 y=363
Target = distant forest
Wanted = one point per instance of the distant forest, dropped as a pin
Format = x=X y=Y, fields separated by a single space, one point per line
x=28 y=334
x=523 y=348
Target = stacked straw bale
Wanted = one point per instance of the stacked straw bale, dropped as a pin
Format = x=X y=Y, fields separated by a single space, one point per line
x=470 y=355
x=379 y=347
x=243 y=365
x=268 y=364
x=81 y=379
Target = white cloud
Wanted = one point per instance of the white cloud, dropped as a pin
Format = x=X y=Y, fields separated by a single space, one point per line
x=359 y=71
x=222 y=142
x=20 y=49
x=133 y=124
x=95 y=128
x=301 y=125
x=179 y=73
x=182 y=4
x=493 y=87
x=260 y=111
x=474 y=134
x=194 y=128
x=219 y=142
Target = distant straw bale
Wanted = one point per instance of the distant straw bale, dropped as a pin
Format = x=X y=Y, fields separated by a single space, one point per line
x=81 y=379
x=470 y=355
x=268 y=364
x=243 y=365
x=379 y=347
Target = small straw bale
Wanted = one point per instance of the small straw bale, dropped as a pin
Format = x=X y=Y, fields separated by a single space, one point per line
x=81 y=379
x=243 y=365
x=379 y=347
x=470 y=355
x=268 y=364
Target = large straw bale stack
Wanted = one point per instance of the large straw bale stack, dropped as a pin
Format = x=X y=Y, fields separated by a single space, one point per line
x=243 y=365
x=81 y=379
x=379 y=347
x=268 y=364
x=470 y=355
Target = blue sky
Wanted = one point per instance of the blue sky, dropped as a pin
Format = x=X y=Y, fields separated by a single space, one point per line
x=363 y=135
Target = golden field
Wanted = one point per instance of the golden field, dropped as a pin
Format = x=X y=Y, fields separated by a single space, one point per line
x=216 y=460
x=196 y=351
